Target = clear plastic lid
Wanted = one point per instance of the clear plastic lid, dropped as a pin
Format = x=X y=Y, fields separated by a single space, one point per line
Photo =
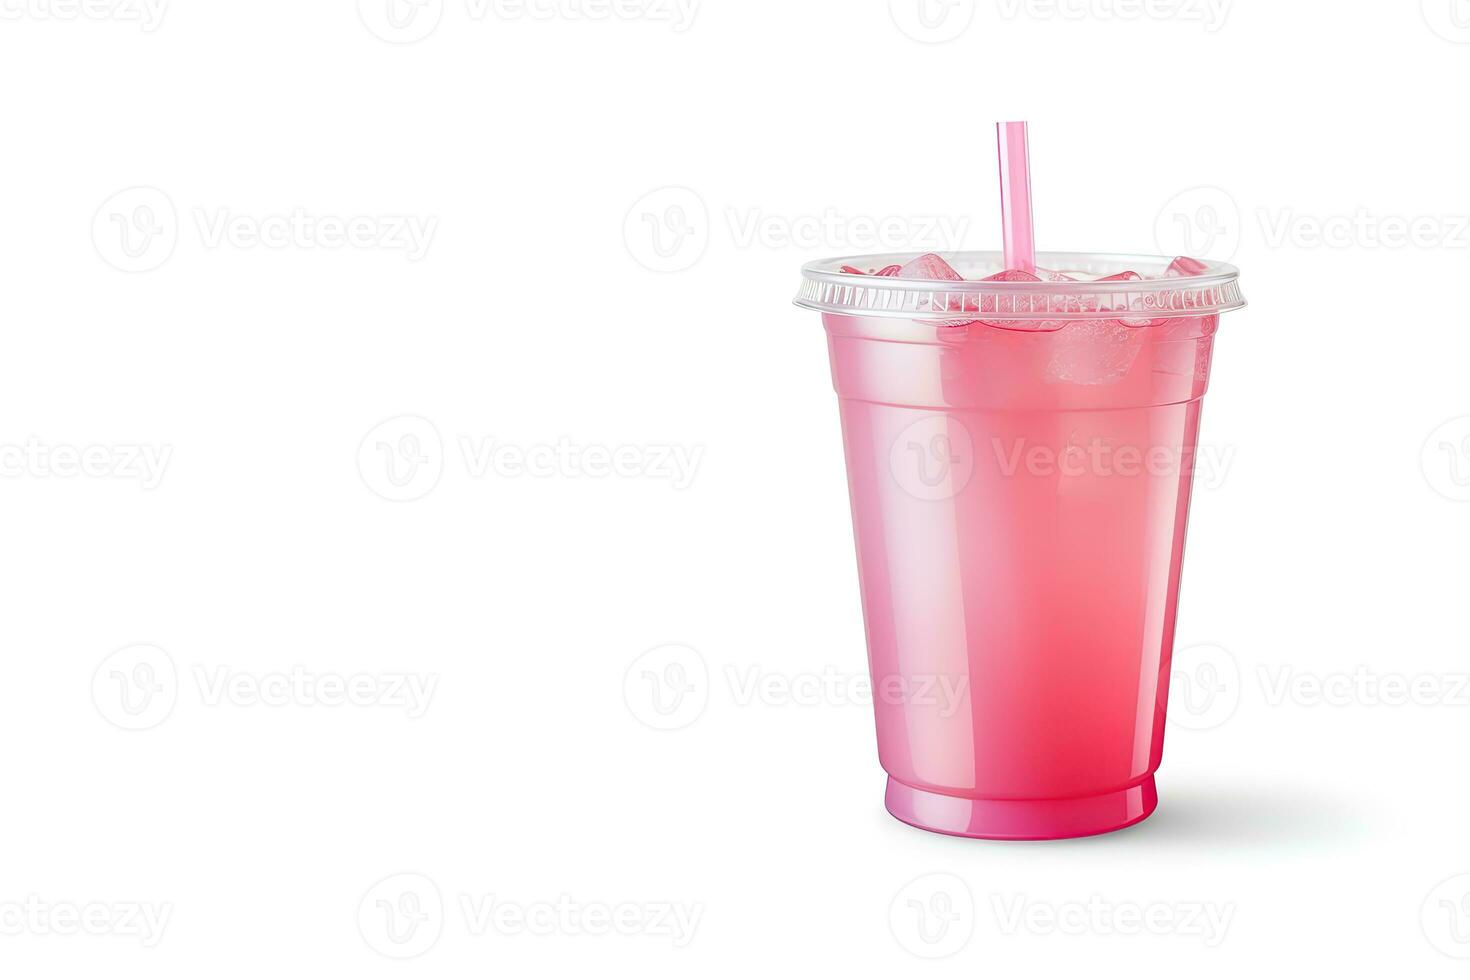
x=1086 y=293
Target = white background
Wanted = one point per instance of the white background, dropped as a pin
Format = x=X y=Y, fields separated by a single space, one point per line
x=274 y=384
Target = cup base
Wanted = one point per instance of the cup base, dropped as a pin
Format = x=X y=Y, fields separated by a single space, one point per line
x=1080 y=816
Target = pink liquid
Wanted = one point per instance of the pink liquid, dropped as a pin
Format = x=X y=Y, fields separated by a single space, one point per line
x=1019 y=503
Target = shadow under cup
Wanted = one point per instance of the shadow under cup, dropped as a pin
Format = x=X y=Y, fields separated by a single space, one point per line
x=1019 y=464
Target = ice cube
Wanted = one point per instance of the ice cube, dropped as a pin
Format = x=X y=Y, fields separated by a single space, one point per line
x=1131 y=321
x=1184 y=266
x=887 y=270
x=991 y=305
x=1051 y=275
x=1092 y=352
x=929 y=266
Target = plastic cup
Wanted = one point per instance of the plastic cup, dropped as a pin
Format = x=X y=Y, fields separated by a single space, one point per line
x=1019 y=461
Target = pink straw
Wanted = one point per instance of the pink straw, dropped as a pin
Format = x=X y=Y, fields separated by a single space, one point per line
x=1015 y=197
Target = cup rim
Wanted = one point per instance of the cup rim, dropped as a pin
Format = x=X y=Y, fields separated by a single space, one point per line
x=826 y=288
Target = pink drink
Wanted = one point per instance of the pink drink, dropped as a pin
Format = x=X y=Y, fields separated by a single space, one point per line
x=1020 y=470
